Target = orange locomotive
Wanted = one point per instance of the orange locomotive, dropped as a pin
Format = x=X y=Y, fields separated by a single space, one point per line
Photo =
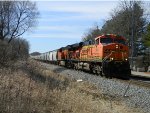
x=107 y=56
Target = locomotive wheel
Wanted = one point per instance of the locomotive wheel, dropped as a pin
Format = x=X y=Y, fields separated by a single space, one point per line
x=76 y=66
x=101 y=74
x=98 y=68
x=94 y=71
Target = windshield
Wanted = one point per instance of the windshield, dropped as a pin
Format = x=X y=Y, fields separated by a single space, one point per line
x=121 y=41
x=106 y=40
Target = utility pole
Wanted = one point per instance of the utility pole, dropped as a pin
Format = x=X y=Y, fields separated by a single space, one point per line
x=132 y=30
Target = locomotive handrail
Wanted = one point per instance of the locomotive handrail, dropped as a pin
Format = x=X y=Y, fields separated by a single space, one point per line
x=106 y=59
x=107 y=56
x=122 y=55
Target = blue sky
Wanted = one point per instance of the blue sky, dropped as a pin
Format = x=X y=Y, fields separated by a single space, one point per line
x=65 y=22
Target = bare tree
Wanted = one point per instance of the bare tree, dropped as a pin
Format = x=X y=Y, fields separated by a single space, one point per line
x=20 y=48
x=16 y=17
x=91 y=33
x=5 y=52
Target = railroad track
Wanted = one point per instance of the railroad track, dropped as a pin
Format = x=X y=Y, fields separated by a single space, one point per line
x=140 y=81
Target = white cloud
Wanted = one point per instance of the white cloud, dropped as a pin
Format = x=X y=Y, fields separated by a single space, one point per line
x=65 y=22
x=76 y=0
x=79 y=7
x=56 y=36
x=89 y=10
x=70 y=11
x=62 y=28
x=94 y=17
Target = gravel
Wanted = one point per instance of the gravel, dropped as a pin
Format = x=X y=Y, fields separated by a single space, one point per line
x=133 y=95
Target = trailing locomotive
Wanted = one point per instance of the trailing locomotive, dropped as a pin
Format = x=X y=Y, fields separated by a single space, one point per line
x=108 y=56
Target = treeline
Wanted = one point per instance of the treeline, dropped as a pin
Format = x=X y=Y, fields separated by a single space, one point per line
x=130 y=20
x=16 y=17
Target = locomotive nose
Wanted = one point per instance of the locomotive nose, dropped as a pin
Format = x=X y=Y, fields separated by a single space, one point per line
x=116 y=52
x=119 y=48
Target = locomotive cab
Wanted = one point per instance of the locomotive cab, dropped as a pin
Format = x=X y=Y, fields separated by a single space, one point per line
x=113 y=47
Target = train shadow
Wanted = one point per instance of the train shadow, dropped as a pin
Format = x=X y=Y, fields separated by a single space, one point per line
x=50 y=82
x=59 y=69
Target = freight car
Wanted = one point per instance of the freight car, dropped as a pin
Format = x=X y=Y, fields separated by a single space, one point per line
x=108 y=56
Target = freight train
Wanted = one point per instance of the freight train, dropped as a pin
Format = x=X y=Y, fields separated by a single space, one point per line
x=107 y=56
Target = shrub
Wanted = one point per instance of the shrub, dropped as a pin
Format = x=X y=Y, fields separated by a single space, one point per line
x=11 y=52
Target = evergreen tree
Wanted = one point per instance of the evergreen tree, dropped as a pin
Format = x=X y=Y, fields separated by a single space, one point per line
x=147 y=36
x=127 y=21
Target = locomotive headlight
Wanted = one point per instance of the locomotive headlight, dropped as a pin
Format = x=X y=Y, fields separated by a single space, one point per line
x=126 y=59
x=111 y=58
x=116 y=46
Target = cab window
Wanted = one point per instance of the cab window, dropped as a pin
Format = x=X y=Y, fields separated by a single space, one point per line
x=106 y=40
x=121 y=41
x=97 y=41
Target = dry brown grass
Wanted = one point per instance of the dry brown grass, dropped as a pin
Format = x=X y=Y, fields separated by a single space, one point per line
x=31 y=88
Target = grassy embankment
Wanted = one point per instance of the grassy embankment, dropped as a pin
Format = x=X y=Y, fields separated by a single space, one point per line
x=29 y=87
